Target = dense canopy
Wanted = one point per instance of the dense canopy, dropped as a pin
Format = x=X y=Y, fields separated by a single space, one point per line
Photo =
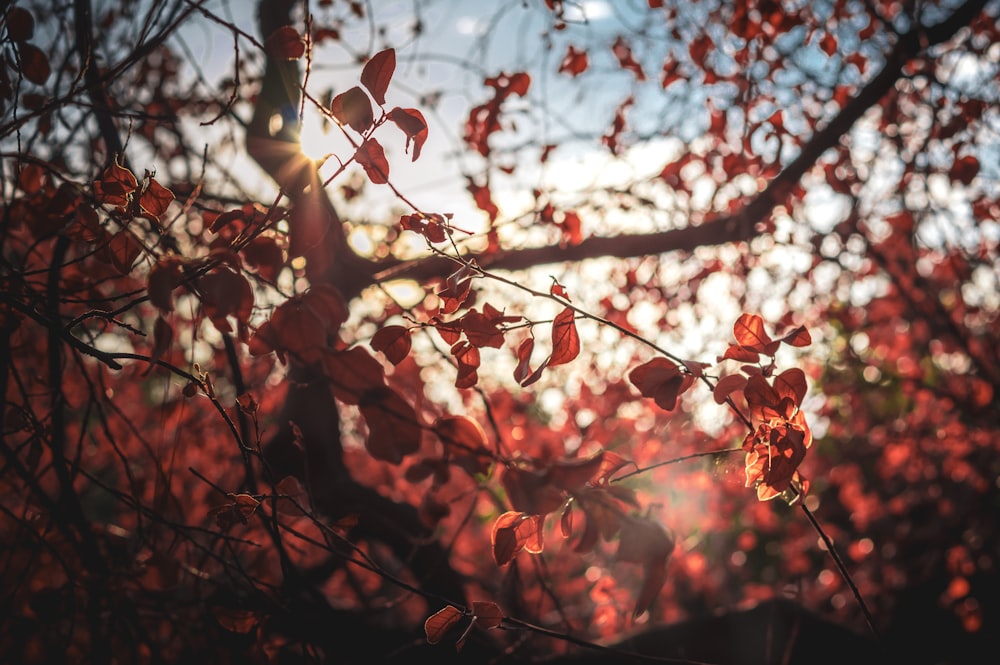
x=526 y=331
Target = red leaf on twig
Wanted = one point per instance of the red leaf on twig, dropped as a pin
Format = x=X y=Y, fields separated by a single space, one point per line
x=377 y=73
x=565 y=340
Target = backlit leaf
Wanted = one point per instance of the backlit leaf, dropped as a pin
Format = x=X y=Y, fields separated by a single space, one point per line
x=439 y=623
x=412 y=123
x=504 y=537
x=488 y=615
x=393 y=341
x=565 y=340
x=460 y=431
x=393 y=428
x=797 y=337
x=661 y=380
x=155 y=200
x=792 y=384
x=749 y=333
x=372 y=158
x=285 y=42
x=377 y=73
x=727 y=385
x=353 y=108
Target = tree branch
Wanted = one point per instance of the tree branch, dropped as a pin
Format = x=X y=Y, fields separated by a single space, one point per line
x=741 y=226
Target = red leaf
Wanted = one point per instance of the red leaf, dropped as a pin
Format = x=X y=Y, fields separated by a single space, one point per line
x=225 y=219
x=377 y=73
x=430 y=226
x=293 y=498
x=572 y=475
x=265 y=256
x=522 y=373
x=749 y=333
x=163 y=337
x=353 y=108
x=965 y=169
x=34 y=64
x=623 y=53
x=285 y=42
x=574 y=62
x=763 y=399
x=20 y=24
x=163 y=279
x=797 y=337
x=225 y=293
x=439 y=623
x=394 y=342
x=737 y=352
x=655 y=576
x=488 y=615
x=565 y=340
x=353 y=374
x=484 y=199
x=728 y=385
x=155 y=200
x=301 y=327
x=791 y=384
x=481 y=331
x=519 y=83
x=566 y=521
x=611 y=463
x=467 y=357
x=662 y=381
x=530 y=490
x=829 y=44
x=572 y=228
x=32 y=178
x=412 y=123
x=371 y=156
x=647 y=542
x=121 y=251
x=393 y=428
x=644 y=540
x=773 y=458
x=116 y=186
x=460 y=431
x=504 y=538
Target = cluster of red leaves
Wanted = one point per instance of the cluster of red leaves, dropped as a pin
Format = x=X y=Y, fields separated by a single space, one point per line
x=780 y=437
x=484 y=614
x=353 y=108
x=24 y=58
x=537 y=489
x=484 y=119
x=473 y=330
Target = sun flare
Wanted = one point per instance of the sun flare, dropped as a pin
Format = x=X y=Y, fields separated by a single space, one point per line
x=318 y=137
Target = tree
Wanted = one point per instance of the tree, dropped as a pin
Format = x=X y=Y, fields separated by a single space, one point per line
x=752 y=377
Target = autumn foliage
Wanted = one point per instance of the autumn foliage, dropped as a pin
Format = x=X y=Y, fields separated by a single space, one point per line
x=708 y=318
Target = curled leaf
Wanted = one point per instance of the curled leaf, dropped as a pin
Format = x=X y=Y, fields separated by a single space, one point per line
x=412 y=123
